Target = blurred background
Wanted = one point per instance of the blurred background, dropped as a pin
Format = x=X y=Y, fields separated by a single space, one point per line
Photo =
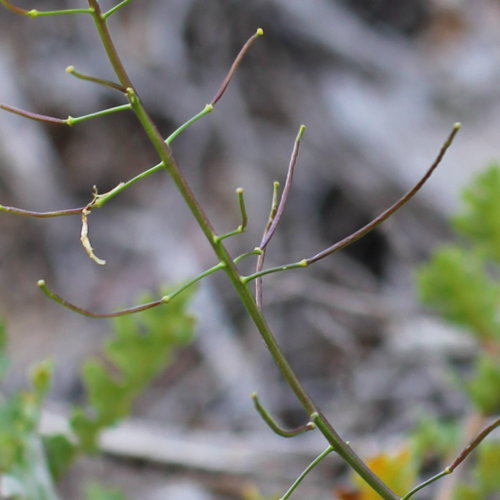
x=379 y=85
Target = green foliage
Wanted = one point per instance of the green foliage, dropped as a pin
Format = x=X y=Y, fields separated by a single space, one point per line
x=461 y=283
x=456 y=284
x=480 y=219
x=483 y=387
x=434 y=438
x=22 y=458
x=60 y=452
x=140 y=348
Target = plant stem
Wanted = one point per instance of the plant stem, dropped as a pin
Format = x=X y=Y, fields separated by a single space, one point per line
x=306 y=471
x=274 y=426
x=219 y=249
x=41 y=13
x=115 y=8
x=106 y=83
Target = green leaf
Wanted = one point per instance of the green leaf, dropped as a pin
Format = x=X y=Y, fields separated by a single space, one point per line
x=435 y=438
x=108 y=396
x=141 y=347
x=85 y=429
x=456 y=285
x=480 y=220
x=483 y=387
x=60 y=453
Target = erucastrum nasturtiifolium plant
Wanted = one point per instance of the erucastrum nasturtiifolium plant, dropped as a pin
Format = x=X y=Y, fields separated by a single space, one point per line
x=98 y=381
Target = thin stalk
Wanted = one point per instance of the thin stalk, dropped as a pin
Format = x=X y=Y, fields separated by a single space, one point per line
x=115 y=8
x=276 y=214
x=42 y=13
x=240 y=193
x=130 y=310
x=274 y=426
x=306 y=471
x=260 y=260
x=14 y=8
x=36 y=13
x=392 y=209
x=100 y=81
x=32 y=116
x=68 y=305
x=271 y=270
x=41 y=215
x=255 y=251
x=79 y=119
x=286 y=190
x=426 y=483
x=70 y=120
x=244 y=218
x=207 y=109
x=234 y=66
x=108 y=45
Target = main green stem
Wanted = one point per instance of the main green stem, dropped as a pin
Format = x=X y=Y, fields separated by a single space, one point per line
x=241 y=288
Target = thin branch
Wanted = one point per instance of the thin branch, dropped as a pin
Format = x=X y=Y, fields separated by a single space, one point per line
x=104 y=112
x=33 y=116
x=84 y=312
x=392 y=209
x=255 y=251
x=260 y=260
x=41 y=215
x=14 y=8
x=115 y=8
x=244 y=218
x=41 y=13
x=243 y=210
x=100 y=81
x=274 y=426
x=131 y=310
x=276 y=214
x=234 y=66
x=38 y=13
x=272 y=270
x=70 y=120
x=207 y=109
x=286 y=190
x=306 y=471
x=473 y=444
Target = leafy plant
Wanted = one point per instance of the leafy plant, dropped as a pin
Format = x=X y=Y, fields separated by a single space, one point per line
x=140 y=348
x=127 y=352
x=460 y=282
